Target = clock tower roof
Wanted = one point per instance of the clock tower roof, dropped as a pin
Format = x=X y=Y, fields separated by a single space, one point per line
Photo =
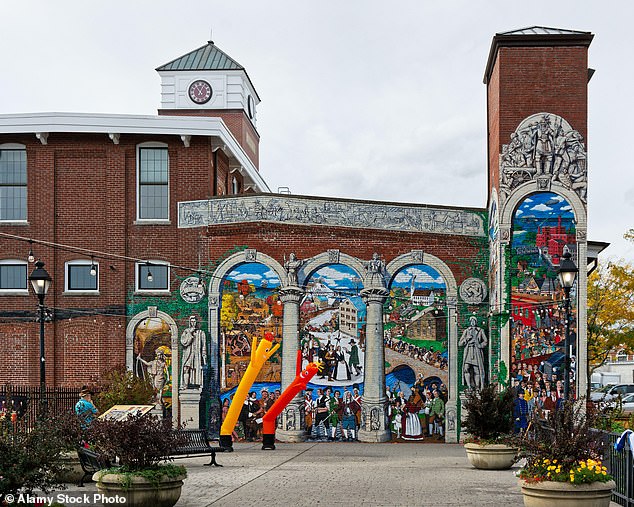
x=206 y=58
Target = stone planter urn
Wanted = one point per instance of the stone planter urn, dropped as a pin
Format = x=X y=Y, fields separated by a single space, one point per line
x=140 y=492
x=491 y=456
x=566 y=494
x=72 y=468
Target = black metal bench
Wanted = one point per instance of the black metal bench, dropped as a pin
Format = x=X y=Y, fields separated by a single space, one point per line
x=90 y=462
x=195 y=443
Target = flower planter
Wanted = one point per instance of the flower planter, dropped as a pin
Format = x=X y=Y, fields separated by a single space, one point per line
x=491 y=456
x=72 y=468
x=566 y=494
x=141 y=492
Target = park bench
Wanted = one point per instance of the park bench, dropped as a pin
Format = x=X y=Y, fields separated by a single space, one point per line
x=195 y=443
x=90 y=462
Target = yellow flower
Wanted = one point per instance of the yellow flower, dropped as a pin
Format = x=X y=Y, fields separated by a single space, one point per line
x=554 y=461
x=546 y=461
x=604 y=473
x=583 y=465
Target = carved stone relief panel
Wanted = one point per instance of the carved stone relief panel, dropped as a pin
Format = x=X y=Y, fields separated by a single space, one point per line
x=545 y=148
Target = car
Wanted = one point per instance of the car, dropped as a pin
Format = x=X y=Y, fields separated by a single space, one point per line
x=627 y=403
x=612 y=392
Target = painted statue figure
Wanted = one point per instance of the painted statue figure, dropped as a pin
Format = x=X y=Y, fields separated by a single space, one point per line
x=474 y=342
x=194 y=342
x=156 y=370
x=292 y=266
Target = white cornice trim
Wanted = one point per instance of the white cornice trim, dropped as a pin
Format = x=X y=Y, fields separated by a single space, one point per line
x=133 y=124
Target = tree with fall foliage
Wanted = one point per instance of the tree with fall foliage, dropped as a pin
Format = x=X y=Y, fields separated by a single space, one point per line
x=228 y=311
x=610 y=312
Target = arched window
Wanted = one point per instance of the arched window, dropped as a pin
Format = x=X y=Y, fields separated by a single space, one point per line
x=235 y=186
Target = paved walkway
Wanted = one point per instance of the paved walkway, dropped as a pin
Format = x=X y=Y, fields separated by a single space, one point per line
x=346 y=474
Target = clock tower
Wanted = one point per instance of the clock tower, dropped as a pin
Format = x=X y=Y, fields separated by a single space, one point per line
x=208 y=82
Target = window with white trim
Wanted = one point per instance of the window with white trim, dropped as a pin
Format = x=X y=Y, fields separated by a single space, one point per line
x=152 y=182
x=12 y=182
x=82 y=275
x=13 y=276
x=152 y=276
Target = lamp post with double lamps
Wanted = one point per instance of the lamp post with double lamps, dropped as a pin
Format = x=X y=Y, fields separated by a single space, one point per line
x=41 y=282
x=567 y=273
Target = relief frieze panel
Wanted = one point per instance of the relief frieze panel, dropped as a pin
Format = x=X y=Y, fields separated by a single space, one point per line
x=315 y=211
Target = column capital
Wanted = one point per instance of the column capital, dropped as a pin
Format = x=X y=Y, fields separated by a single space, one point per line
x=374 y=295
x=291 y=294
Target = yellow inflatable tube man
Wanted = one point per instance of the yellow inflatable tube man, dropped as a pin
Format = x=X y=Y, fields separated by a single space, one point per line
x=260 y=352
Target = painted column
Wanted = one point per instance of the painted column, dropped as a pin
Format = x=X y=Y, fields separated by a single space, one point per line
x=374 y=425
x=291 y=425
x=582 y=315
x=214 y=413
x=451 y=407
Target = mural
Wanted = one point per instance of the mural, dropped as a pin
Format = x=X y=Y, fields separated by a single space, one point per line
x=332 y=323
x=416 y=355
x=250 y=307
x=543 y=230
x=152 y=356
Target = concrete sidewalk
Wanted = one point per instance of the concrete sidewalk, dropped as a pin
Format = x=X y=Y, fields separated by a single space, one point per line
x=346 y=474
x=349 y=474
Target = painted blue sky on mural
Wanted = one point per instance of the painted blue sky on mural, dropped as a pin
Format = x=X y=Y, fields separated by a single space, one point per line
x=337 y=276
x=424 y=277
x=255 y=273
x=544 y=206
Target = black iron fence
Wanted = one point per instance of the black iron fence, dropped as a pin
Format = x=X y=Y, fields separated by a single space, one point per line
x=621 y=465
x=24 y=404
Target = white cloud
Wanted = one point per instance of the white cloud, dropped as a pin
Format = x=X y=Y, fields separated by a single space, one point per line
x=528 y=199
x=405 y=276
x=519 y=212
x=541 y=207
x=566 y=208
x=333 y=274
x=244 y=276
x=270 y=274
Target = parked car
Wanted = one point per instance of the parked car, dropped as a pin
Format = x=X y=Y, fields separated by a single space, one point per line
x=627 y=403
x=612 y=392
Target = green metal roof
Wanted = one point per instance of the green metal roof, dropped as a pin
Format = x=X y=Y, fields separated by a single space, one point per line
x=542 y=30
x=207 y=57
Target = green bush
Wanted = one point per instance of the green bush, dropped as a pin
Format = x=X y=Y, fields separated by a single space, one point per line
x=489 y=416
x=30 y=460
x=121 y=387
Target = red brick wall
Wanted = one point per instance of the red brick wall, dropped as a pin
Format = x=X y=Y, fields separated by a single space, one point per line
x=236 y=121
x=462 y=254
x=82 y=192
x=530 y=80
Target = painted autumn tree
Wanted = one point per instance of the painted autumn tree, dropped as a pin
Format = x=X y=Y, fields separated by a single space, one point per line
x=610 y=312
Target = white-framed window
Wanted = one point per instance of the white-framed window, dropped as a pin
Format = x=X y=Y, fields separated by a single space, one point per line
x=235 y=185
x=13 y=277
x=12 y=182
x=621 y=356
x=81 y=276
x=152 y=276
x=152 y=182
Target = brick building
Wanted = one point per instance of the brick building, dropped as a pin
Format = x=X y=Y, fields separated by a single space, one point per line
x=159 y=232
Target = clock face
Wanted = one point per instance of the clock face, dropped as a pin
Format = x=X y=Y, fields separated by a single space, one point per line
x=200 y=91
x=250 y=107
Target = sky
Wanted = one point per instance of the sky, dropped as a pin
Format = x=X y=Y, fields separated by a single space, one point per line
x=360 y=98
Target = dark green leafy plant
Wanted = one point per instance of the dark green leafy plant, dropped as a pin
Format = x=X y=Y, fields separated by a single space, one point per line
x=489 y=416
x=121 y=387
x=31 y=460
x=140 y=442
x=566 y=448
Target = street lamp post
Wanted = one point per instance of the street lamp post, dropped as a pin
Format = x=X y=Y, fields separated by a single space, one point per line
x=567 y=273
x=41 y=281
